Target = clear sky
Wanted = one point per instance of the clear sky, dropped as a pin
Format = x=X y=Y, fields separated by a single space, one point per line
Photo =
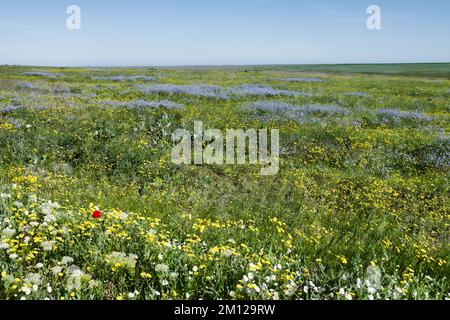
x=206 y=32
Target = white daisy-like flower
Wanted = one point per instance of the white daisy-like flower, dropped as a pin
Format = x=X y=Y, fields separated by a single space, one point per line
x=47 y=245
x=33 y=278
x=66 y=260
x=56 y=270
x=5 y=196
x=26 y=290
x=4 y=245
x=163 y=268
x=8 y=232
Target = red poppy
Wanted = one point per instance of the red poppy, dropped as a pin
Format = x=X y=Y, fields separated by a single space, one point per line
x=96 y=214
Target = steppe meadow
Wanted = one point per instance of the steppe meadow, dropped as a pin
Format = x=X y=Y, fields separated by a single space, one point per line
x=93 y=207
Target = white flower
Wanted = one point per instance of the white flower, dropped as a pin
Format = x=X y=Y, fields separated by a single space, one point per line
x=49 y=289
x=121 y=258
x=74 y=278
x=4 y=245
x=195 y=269
x=8 y=232
x=371 y=290
x=33 y=278
x=13 y=256
x=373 y=277
x=163 y=268
x=66 y=260
x=73 y=282
x=18 y=204
x=47 y=245
x=164 y=282
x=48 y=207
x=56 y=270
x=156 y=293
x=49 y=218
x=39 y=265
x=74 y=270
x=226 y=253
x=26 y=290
x=160 y=256
x=4 y=196
x=93 y=284
x=358 y=283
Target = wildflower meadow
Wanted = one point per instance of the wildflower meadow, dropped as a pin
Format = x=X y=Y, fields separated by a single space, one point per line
x=93 y=207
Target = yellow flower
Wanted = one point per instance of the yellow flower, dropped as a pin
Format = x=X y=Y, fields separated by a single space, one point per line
x=145 y=275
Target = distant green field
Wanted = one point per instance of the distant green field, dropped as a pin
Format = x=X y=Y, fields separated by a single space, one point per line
x=439 y=70
x=407 y=69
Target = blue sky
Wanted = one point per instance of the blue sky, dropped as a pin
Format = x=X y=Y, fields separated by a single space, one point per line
x=207 y=32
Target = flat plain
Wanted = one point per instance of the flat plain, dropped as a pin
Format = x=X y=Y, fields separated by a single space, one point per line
x=92 y=206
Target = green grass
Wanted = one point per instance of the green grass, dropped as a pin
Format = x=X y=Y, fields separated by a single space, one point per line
x=359 y=208
x=438 y=70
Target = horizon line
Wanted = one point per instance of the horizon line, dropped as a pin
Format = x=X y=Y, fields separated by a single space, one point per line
x=222 y=65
